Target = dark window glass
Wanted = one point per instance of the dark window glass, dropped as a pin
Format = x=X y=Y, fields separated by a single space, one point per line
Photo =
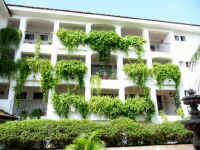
x=44 y=37
x=23 y=95
x=153 y=47
x=37 y=95
x=29 y=36
x=176 y=37
x=159 y=101
x=183 y=38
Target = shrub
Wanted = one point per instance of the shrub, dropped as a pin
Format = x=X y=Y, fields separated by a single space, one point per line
x=105 y=105
x=24 y=134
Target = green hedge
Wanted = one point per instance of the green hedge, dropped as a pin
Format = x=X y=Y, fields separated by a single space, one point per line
x=24 y=134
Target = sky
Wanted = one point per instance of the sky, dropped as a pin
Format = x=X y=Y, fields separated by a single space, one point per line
x=184 y=11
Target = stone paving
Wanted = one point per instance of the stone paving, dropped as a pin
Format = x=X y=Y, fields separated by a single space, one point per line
x=156 y=147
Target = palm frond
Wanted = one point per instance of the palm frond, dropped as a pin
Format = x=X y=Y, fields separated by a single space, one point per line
x=196 y=55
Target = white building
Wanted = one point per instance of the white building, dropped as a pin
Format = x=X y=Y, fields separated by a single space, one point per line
x=175 y=41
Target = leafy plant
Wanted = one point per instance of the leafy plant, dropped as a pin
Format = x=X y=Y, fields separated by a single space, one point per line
x=105 y=105
x=180 y=112
x=70 y=70
x=36 y=113
x=166 y=71
x=9 y=39
x=7 y=68
x=62 y=103
x=163 y=116
x=103 y=42
x=95 y=82
x=138 y=106
x=24 y=114
x=84 y=142
x=71 y=39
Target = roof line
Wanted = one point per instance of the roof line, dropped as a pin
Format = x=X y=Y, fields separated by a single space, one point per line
x=7 y=8
x=100 y=14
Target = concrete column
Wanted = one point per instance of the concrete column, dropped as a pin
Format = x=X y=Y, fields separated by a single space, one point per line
x=118 y=30
x=154 y=99
x=11 y=95
x=22 y=27
x=87 y=77
x=51 y=114
x=88 y=27
x=120 y=73
x=122 y=94
x=145 y=35
x=4 y=22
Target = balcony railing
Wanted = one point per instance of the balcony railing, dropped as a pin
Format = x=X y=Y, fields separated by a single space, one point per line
x=31 y=37
x=159 y=46
x=105 y=72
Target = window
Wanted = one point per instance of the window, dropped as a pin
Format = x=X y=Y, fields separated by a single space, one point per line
x=183 y=38
x=29 y=36
x=159 y=101
x=44 y=37
x=23 y=95
x=37 y=95
x=176 y=37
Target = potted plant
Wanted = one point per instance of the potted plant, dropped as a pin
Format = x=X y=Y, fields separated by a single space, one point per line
x=24 y=114
x=50 y=42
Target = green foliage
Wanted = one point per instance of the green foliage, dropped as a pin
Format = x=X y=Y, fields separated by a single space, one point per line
x=163 y=116
x=70 y=70
x=85 y=142
x=62 y=103
x=7 y=68
x=103 y=42
x=180 y=112
x=71 y=39
x=36 y=113
x=95 y=82
x=139 y=73
x=166 y=71
x=132 y=41
x=105 y=105
x=9 y=39
x=24 y=134
x=196 y=55
x=138 y=106
x=24 y=114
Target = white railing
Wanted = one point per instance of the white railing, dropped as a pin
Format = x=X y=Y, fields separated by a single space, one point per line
x=159 y=46
x=31 y=37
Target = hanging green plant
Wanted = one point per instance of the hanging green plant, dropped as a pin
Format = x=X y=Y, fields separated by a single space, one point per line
x=70 y=70
x=7 y=68
x=103 y=42
x=138 y=72
x=71 y=39
x=105 y=105
x=62 y=103
x=137 y=42
x=134 y=107
x=95 y=82
x=166 y=71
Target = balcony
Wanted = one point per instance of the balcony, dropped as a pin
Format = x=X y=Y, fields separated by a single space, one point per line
x=31 y=37
x=159 y=46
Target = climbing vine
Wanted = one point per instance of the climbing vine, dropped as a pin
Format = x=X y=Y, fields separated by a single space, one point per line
x=71 y=39
x=70 y=70
x=102 y=42
x=95 y=82
x=138 y=106
x=139 y=74
x=166 y=71
x=62 y=103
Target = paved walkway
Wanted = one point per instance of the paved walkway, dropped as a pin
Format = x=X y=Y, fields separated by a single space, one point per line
x=156 y=147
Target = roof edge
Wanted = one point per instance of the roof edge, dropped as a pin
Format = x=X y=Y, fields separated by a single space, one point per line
x=10 y=13
x=100 y=14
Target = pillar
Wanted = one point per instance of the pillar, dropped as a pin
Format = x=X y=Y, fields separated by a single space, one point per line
x=122 y=94
x=51 y=114
x=118 y=30
x=11 y=95
x=154 y=99
x=145 y=35
x=88 y=28
x=87 y=77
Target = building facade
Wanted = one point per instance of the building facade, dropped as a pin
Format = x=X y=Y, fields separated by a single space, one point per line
x=176 y=42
